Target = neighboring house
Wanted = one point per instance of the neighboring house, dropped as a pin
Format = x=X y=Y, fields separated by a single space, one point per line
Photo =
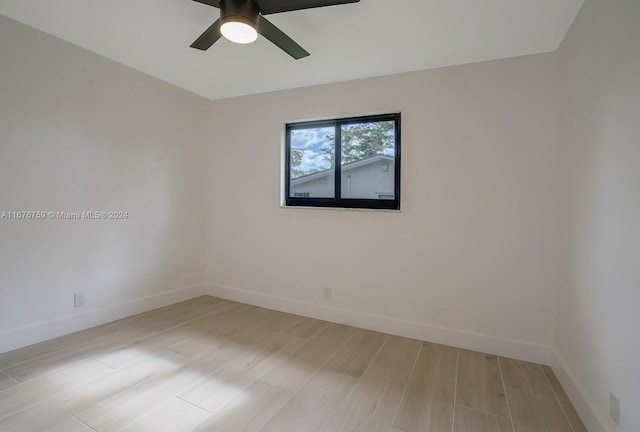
x=368 y=178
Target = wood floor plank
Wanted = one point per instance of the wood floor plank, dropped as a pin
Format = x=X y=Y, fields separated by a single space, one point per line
x=148 y=325
x=45 y=388
x=256 y=321
x=215 y=313
x=513 y=374
x=427 y=405
x=71 y=340
x=66 y=403
x=212 y=330
x=186 y=311
x=537 y=379
x=480 y=384
x=205 y=306
x=255 y=337
x=207 y=332
x=6 y=381
x=467 y=420
x=222 y=386
x=118 y=411
x=293 y=374
x=278 y=323
x=30 y=352
x=314 y=405
x=121 y=357
x=307 y=328
x=373 y=403
x=536 y=413
x=173 y=416
x=354 y=358
x=213 y=322
x=59 y=359
x=250 y=411
x=565 y=403
x=71 y=425
x=525 y=376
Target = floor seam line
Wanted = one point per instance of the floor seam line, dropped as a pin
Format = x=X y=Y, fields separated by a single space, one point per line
x=355 y=385
x=191 y=403
x=559 y=403
x=404 y=390
x=506 y=398
x=83 y=423
x=455 y=391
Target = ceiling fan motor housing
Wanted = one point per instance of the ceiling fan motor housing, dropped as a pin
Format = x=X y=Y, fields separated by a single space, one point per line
x=245 y=11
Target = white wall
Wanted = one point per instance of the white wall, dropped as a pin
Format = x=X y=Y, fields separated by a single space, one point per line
x=478 y=257
x=597 y=339
x=80 y=132
x=473 y=251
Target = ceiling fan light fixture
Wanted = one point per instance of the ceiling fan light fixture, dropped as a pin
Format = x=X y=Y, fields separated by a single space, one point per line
x=239 y=32
x=241 y=20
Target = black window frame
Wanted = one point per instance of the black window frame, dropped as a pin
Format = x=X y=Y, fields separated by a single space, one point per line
x=338 y=201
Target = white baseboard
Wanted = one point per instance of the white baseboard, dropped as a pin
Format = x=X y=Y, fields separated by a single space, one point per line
x=582 y=404
x=467 y=340
x=23 y=336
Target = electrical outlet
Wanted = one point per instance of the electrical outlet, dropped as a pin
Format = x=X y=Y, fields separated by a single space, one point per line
x=614 y=408
x=326 y=293
x=78 y=299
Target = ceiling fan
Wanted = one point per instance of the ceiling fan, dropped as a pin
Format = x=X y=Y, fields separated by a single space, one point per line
x=242 y=20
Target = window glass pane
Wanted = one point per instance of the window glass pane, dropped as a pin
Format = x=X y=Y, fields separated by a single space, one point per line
x=312 y=163
x=368 y=154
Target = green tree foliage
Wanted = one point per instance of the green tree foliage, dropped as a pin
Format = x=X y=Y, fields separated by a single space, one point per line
x=328 y=150
x=296 y=162
x=362 y=140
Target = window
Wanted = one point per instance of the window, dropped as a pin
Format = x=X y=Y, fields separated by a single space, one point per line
x=349 y=162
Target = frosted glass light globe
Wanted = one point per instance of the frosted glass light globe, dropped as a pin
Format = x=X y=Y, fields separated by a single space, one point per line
x=239 y=32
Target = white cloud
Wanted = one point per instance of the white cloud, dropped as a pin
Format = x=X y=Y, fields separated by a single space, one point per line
x=311 y=141
x=313 y=161
x=308 y=138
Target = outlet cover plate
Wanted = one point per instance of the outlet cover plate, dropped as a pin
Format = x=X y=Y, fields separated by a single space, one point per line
x=614 y=408
x=78 y=299
x=326 y=293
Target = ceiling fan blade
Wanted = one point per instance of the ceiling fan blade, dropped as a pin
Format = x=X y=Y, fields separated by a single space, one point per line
x=281 y=40
x=276 y=6
x=214 y=3
x=208 y=38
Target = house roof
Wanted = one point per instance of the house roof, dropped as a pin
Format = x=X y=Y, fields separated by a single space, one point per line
x=345 y=167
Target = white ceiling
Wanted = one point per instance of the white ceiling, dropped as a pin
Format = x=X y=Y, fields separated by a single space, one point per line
x=370 y=38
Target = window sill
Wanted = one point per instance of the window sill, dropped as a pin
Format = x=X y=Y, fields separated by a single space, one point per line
x=341 y=209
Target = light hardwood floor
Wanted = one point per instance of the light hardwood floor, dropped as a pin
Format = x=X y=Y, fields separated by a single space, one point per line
x=209 y=364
